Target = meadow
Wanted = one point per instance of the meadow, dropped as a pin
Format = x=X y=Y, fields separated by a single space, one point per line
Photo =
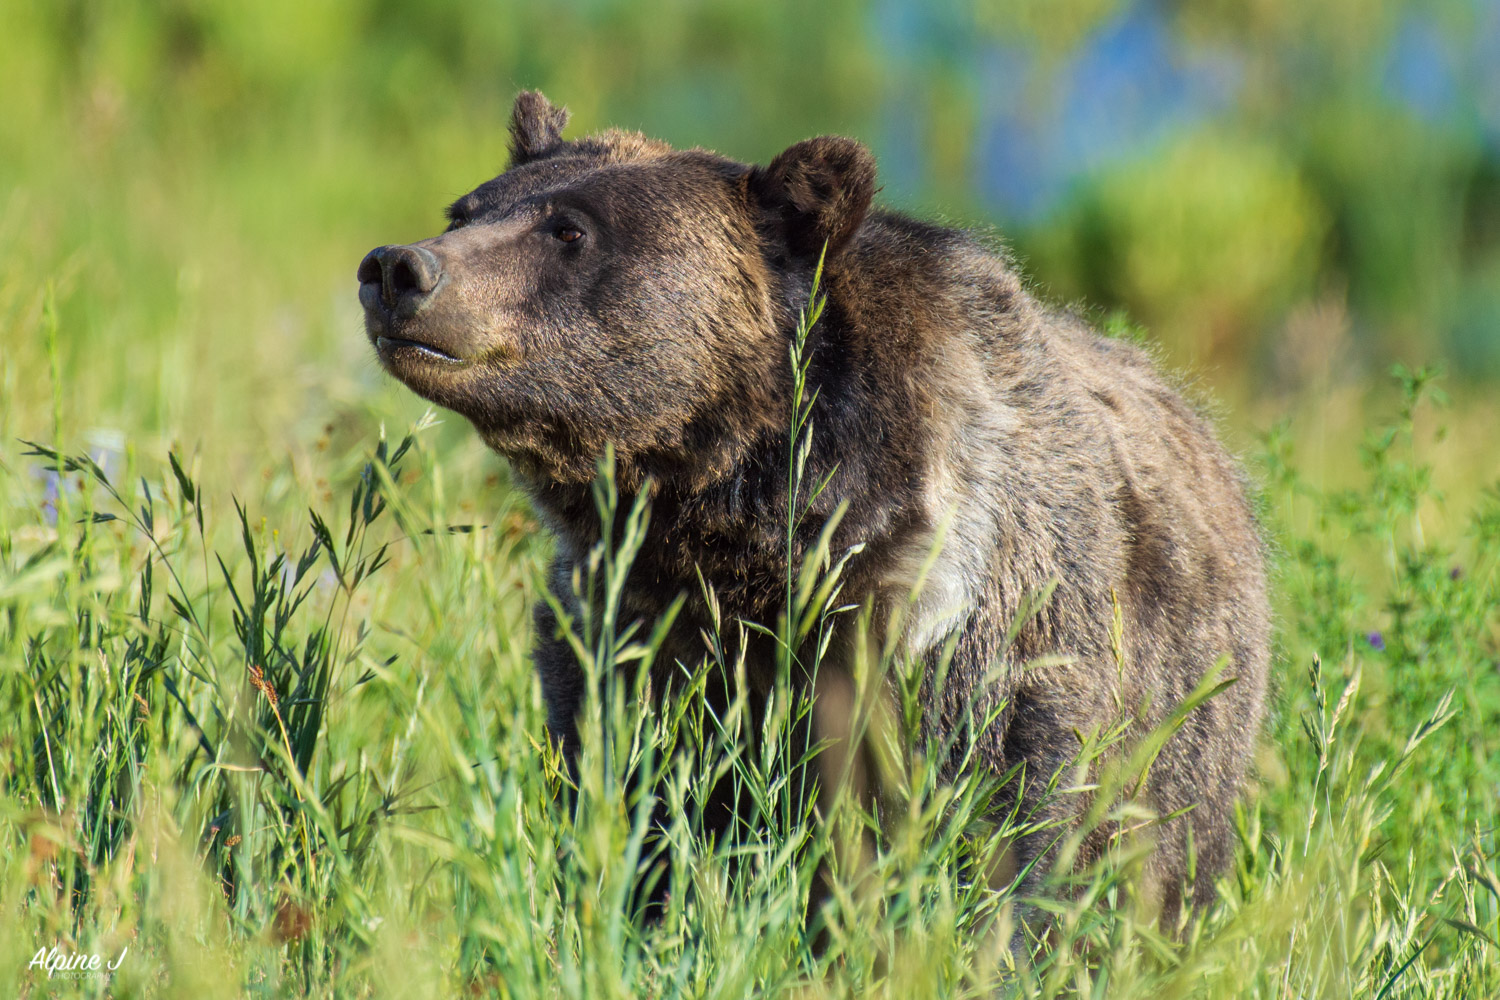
x=270 y=726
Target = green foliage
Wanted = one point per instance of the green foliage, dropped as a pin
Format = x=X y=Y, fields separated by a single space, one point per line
x=1205 y=242
x=1365 y=585
x=313 y=758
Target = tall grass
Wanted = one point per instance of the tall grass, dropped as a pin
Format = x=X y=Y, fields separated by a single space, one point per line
x=304 y=755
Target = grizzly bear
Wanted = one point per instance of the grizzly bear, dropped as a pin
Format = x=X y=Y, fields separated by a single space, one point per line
x=611 y=291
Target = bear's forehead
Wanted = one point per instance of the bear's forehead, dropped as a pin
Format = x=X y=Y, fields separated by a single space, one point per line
x=656 y=176
x=521 y=183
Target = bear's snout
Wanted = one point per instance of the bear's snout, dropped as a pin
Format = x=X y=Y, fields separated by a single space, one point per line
x=401 y=277
x=398 y=285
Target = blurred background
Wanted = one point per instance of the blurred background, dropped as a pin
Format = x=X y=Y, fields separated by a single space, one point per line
x=1290 y=197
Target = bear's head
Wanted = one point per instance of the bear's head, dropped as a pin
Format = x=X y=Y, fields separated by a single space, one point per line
x=611 y=289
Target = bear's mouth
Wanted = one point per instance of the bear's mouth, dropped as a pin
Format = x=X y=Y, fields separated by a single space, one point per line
x=399 y=349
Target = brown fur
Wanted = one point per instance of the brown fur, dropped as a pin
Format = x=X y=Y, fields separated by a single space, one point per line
x=947 y=396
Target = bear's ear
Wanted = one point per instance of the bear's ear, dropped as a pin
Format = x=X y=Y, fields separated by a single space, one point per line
x=535 y=127
x=819 y=190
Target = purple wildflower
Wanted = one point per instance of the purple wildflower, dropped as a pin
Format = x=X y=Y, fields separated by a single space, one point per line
x=1376 y=641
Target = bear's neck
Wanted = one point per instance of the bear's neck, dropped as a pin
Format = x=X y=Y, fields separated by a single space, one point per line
x=744 y=527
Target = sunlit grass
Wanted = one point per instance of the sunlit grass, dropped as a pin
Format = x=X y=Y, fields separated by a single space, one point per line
x=292 y=744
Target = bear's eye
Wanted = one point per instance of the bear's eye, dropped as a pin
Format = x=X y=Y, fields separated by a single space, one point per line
x=568 y=234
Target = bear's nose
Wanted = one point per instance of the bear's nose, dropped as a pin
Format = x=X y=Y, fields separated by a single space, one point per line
x=406 y=276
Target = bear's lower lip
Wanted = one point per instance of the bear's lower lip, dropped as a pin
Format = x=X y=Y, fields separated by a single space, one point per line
x=399 y=349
